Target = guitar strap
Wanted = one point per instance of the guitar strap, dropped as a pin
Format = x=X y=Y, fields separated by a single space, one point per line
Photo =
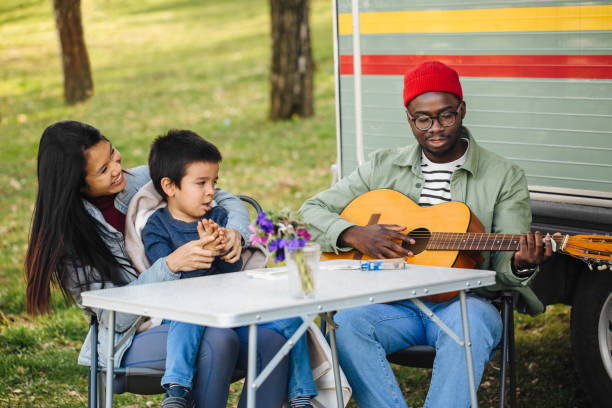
x=373 y=221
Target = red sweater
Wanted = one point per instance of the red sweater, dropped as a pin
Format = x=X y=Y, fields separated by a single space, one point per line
x=106 y=205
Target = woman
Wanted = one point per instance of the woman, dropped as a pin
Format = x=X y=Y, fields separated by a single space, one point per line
x=77 y=244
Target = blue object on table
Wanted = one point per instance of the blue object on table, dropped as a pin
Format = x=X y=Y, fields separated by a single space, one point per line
x=380 y=264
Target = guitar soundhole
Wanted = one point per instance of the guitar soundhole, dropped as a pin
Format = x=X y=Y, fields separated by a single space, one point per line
x=421 y=237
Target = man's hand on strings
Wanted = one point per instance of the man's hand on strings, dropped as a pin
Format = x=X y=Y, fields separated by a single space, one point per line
x=377 y=241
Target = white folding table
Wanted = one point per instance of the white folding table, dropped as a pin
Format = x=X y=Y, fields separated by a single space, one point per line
x=241 y=298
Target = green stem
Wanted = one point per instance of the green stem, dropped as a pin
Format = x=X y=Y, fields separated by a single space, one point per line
x=304 y=270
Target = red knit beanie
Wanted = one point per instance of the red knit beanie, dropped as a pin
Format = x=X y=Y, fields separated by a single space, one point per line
x=431 y=76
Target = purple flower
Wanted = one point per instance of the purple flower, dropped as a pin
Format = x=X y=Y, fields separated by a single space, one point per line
x=295 y=244
x=279 y=256
x=264 y=223
x=278 y=245
x=260 y=217
x=302 y=232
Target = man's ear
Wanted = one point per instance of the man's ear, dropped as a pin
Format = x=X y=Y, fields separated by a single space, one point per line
x=407 y=115
x=463 y=110
x=168 y=186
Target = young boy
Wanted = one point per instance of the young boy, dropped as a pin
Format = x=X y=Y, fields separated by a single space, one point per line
x=184 y=169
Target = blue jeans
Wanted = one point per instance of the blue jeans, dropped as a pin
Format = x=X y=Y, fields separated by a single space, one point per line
x=182 y=347
x=220 y=353
x=367 y=334
x=184 y=341
x=300 y=374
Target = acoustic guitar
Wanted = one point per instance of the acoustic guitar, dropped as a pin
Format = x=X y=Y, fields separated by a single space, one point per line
x=450 y=235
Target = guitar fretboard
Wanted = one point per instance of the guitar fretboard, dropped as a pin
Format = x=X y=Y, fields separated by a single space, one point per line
x=470 y=241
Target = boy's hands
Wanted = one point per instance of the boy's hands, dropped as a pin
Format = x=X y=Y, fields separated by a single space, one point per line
x=226 y=241
x=210 y=229
x=200 y=253
x=191 y=256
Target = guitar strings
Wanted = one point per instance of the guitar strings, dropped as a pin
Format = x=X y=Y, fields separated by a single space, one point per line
x=420 y=234
x=591 y=252
x=470 y=235
x=477 y=239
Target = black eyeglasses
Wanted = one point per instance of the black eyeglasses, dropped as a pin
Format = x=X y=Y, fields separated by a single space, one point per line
x=446 y=119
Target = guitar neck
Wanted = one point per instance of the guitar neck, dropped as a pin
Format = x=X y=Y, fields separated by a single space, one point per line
x=471 y=241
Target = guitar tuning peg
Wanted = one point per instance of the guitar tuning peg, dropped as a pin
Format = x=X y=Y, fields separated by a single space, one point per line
x=601 y=267
x=590 y=266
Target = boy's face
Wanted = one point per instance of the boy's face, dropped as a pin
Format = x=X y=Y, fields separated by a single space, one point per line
x=193 y=198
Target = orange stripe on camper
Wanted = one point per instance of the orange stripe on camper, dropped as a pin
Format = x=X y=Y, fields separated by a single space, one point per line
x=514 y=66
x=563 y=18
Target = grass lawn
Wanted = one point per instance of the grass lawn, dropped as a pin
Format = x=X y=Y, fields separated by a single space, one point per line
x=200 y=65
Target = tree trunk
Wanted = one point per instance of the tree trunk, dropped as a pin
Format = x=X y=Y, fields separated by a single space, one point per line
x=78 y=84
x=292 y=64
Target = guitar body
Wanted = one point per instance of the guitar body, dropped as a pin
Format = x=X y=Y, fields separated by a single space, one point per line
x=450 y=235
x=386 y=206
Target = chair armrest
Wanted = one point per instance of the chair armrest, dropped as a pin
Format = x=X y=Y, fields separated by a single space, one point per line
x=251 y=201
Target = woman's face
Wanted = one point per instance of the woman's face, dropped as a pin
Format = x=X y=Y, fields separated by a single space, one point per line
x=103 y=169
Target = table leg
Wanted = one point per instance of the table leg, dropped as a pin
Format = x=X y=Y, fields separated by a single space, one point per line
x=110 y=362
x=93 y=370
x=504 y=354
x=252 y=365
x=468 y=350
x=336 y=365
x=284 y=350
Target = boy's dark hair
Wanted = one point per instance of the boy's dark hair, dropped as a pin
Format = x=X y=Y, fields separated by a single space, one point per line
x=173 y=152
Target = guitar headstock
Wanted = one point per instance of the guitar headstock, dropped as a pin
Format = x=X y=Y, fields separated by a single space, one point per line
x=595 y=250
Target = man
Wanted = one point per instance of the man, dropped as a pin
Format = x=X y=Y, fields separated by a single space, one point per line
x=446 y=164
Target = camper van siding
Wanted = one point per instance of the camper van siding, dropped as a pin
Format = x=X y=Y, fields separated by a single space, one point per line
x=542 y=98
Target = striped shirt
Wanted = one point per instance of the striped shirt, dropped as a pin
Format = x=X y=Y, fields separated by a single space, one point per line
x=436 y=188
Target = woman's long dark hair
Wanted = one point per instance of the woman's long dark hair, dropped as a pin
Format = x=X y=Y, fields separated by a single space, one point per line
x=63 y=232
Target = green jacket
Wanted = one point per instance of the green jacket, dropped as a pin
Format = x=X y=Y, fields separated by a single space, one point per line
x=492 y=187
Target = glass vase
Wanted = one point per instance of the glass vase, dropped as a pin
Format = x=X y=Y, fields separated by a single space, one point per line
x=302 y=270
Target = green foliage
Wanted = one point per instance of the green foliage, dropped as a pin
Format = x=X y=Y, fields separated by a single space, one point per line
x=201 y=65
x=12 y=299
x=15 y=338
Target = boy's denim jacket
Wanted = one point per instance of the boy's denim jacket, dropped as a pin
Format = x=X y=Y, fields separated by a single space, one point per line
x=158 y=272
